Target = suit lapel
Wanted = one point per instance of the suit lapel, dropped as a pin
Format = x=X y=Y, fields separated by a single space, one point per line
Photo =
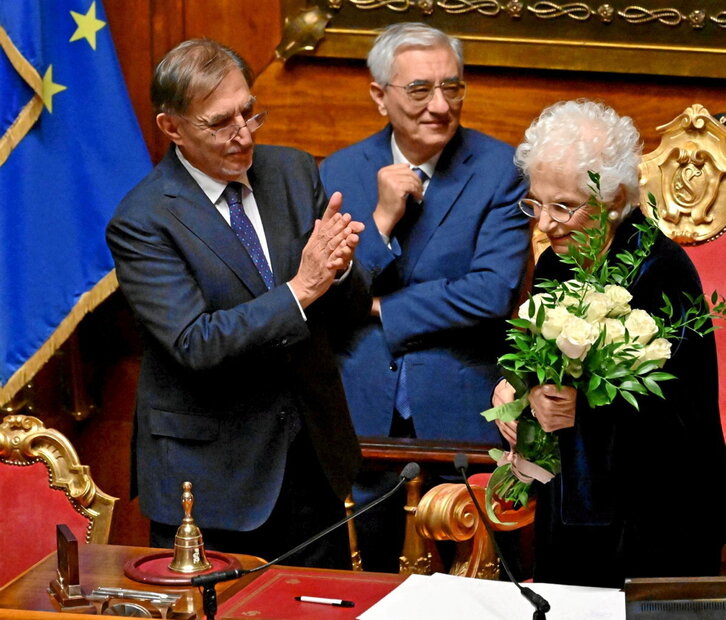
x=268 y=189
x=192 y=208
x=378 y=154
x=453 y=172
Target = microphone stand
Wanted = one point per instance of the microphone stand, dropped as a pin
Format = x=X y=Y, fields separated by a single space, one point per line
x=540 y=604
x=210 y=580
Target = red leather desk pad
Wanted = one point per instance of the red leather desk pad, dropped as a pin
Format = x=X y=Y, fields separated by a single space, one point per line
x=272 y=595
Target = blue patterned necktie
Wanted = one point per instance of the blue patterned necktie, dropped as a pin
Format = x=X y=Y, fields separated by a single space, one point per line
x=412 y=212
x=246 y=232
x=410 y=216
x=420 y=174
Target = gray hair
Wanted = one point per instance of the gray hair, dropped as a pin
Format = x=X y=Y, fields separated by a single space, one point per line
x=406 y=35
x=581 y=136
x=193 y=69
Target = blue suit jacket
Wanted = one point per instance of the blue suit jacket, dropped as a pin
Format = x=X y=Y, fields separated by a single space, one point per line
x=230 y=370
x=445 y=295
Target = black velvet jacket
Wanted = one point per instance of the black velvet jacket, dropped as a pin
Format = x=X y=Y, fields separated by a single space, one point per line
x=641 y=493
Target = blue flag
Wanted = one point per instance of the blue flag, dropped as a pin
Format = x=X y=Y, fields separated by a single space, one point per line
x=70 y=149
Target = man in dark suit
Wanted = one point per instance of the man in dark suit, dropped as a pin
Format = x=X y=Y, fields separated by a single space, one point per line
x=239 y=275
x=445 y=245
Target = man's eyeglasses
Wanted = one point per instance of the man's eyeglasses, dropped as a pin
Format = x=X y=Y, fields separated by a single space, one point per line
x=422 y=91
x=230 y=132
x=557 y=211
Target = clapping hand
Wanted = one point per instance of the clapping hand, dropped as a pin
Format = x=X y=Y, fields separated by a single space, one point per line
x=329 y=250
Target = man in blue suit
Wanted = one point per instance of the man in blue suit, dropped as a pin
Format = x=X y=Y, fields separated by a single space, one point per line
x=238 y=271
x=445 y=245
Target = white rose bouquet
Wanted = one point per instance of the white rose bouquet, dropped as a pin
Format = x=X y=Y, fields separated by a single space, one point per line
x=584 y=333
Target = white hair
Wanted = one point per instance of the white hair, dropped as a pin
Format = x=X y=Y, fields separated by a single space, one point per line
x=406 y=35
x=581 y=136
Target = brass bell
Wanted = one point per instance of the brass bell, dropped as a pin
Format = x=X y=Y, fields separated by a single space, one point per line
x=189 y=556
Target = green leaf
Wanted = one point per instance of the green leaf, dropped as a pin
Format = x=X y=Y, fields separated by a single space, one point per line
x=593 y=383
x=499 y=476
x=619 y=371
x=653 y=386
x=632 y=385
x=647 y=367
x=506 y=412
x=661 y=376
x=630 y=398
x=523 y=323
x=611 y=391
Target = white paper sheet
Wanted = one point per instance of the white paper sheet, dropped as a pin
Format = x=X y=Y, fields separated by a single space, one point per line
x=440 y=596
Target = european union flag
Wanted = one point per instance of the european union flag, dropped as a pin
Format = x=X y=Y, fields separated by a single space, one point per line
x=70 y=148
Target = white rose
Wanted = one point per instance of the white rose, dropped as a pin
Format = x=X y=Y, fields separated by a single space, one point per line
x=659 y=350
x=614 y=331
x=640 y=326
x=530 y=308
x=598 y=306
x=554 y=320
x=576 y=337
x=621 y=299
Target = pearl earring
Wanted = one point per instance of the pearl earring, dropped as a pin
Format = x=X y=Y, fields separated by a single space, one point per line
x=613 y=215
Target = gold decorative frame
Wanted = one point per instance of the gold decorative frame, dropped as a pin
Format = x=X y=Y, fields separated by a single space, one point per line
x=662 y=37
x=687 y=174
x=25 y=440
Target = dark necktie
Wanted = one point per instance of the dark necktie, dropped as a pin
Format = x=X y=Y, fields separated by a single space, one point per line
x=420 y=174
x=413 y=210
x=246 y=232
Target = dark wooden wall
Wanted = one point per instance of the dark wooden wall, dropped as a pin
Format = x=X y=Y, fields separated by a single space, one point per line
x=316 y=104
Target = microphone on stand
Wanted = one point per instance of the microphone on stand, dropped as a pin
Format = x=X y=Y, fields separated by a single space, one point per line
x=540 y=604
x=209 y=580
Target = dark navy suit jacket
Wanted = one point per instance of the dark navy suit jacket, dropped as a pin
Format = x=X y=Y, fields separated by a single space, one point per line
x=617 y=508
x=445 y=293
x=230 y=370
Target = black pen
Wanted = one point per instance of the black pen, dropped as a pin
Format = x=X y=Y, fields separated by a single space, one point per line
x=335 y=602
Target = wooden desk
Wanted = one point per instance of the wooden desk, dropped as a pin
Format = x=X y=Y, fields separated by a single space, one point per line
x=27 y=598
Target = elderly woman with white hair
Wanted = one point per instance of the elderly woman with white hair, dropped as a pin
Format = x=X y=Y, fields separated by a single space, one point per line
x=640 y=492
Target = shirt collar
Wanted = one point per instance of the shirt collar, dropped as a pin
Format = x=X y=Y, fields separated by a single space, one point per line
x=399 y=158
x=211 y=187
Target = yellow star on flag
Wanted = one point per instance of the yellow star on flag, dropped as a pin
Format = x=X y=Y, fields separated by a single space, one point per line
x=50 y=88
x=88 y=26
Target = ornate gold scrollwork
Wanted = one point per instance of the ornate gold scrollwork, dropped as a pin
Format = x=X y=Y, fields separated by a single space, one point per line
x=546 y=9
x=488 y=8
x=447 y=512
x=719 y=19
x=639 y=15
x=549 y=10
x=685 y=174
x=394 y=5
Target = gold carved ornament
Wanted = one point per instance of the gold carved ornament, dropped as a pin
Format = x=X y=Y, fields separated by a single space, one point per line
x=686 y=174
x=447 y=512
x=24 y=440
